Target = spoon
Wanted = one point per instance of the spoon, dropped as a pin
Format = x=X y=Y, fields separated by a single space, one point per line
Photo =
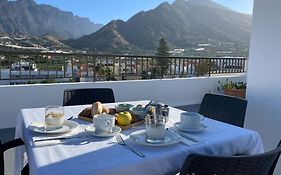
x=148 y=104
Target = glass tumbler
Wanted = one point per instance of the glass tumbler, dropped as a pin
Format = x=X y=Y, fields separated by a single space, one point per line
x=155 y=128
x=54 y=117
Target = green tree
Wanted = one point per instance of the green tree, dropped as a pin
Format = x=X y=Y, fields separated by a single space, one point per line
x=203 y=68
x=108 y=74
x=162 y=63
x=163 y=48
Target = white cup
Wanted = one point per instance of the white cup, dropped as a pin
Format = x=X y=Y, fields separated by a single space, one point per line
x=103 y=123
x=191 y=120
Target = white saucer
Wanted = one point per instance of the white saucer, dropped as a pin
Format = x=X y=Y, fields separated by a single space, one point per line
x=140 y=138
x=179 y=126
x=91 y=130
x=68 y=126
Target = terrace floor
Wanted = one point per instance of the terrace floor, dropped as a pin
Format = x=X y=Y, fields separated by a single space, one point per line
x=9 y=134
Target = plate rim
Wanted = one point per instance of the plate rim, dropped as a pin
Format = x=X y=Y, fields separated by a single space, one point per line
x=202 y=128
x=102 y=135
x=151 y=144
x=66 y=123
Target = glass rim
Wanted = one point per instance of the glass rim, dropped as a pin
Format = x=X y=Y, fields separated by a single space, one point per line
x=53 y=106
x=159 y=117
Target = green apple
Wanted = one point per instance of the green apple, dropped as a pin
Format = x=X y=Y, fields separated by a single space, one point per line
x=124 y=118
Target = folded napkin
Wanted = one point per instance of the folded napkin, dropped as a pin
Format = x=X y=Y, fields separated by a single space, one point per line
x=76 y=135
x=189 y=139
x=188 y=142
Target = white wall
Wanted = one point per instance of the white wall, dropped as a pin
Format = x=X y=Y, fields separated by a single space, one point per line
x=174 y=92
x=264 y=70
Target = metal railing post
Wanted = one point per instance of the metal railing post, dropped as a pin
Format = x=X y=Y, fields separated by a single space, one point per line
x=209 y=67
x=94 y=68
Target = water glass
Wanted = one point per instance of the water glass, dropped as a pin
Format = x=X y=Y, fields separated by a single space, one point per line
x=155 y=128
x=54 y=117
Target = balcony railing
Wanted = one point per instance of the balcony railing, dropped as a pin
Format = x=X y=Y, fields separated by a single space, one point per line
x=28 y=67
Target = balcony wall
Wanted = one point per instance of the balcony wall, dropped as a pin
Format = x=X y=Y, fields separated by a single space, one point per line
x=175 y=92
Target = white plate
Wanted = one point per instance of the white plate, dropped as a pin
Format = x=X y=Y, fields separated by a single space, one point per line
x=91 y=130
x=179 y=126
x=68 y=126
x=140 y=137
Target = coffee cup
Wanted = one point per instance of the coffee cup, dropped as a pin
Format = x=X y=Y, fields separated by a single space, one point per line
x=191 y=120
x=103 y=123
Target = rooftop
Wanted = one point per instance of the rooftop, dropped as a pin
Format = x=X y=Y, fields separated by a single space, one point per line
x=263 y=90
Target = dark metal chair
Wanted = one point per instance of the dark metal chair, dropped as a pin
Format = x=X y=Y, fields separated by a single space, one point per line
x=4 y=147
x=87 y=96
x=259 y=164
x=224 y=108
x=271 y=171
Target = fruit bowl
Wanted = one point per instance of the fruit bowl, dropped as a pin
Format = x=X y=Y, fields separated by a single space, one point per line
x=123 y=107
x=139 y=111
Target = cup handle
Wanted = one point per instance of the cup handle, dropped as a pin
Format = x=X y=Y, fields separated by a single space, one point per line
x=108 y=123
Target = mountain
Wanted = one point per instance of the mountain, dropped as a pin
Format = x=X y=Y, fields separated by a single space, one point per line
x=183 y=24
x=106 y=39
x=27 y=17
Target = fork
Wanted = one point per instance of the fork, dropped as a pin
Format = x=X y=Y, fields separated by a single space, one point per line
x=123 y=143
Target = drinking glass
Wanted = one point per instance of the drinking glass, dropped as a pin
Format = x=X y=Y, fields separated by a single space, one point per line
x=155 y=128
x=54 y=117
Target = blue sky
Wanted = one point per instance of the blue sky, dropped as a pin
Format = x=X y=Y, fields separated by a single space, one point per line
x=103 y=11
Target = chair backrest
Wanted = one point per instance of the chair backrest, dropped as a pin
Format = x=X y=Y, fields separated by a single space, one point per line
x=271 y=171
x=87 y=96
x=224 y=108
x=4 y=147
x=259 y=164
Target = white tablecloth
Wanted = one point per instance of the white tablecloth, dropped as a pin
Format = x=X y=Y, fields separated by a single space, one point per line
x=105 y=156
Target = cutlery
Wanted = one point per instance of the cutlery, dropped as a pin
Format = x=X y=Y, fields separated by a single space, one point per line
x=70 y=118
x=123 y=143
x=55 y=138
x=148 y=104
x=183 y=136
x=86 y=131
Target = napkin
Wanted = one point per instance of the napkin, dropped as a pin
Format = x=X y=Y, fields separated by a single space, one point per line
x=188 y=142
x=189 y=139
x=76 y=135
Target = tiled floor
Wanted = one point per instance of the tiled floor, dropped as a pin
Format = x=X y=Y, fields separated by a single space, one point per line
x=9 y=134
x=9 y=162
x=6 y=135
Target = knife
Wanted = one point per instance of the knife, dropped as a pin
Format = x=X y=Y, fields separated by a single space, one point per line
x=55 y=138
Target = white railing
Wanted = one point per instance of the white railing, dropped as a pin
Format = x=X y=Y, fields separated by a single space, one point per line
x=175 y=92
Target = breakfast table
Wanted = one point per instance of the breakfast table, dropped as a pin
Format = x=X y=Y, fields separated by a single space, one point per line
x=86 y=154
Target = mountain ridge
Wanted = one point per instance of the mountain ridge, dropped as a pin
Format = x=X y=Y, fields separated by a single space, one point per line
x=28 y=17
x=182 y=24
